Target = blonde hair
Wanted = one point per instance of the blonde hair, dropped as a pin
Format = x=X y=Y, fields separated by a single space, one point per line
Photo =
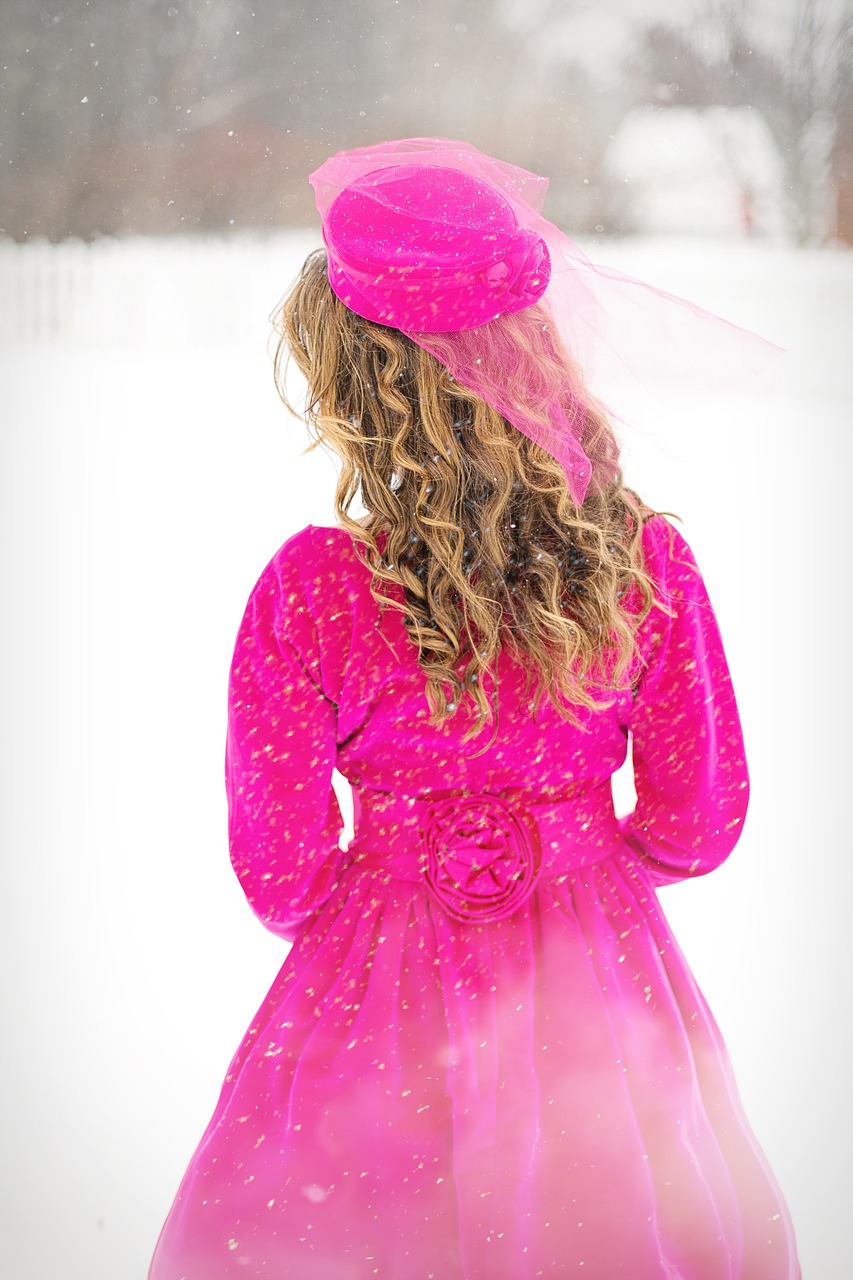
x=482 y=534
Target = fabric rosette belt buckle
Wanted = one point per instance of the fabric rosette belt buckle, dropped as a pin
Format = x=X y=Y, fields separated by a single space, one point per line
x=481 y=857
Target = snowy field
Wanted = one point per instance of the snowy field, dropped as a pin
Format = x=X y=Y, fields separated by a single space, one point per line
x=149 y=475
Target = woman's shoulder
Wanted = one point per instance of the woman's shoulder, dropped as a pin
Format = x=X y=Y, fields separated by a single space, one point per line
x=316 y=543
x=657 y=534
x=661 y=537
x=669 y=560
x=319 y=566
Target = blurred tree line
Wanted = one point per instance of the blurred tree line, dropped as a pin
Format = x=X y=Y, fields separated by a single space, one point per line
x=140 y=116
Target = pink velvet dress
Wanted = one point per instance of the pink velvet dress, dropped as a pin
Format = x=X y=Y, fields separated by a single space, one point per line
x=484 y=1057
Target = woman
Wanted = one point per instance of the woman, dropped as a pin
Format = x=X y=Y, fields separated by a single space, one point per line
x=485 y=1057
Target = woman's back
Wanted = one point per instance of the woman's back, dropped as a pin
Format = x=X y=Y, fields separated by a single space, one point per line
x=363 y=661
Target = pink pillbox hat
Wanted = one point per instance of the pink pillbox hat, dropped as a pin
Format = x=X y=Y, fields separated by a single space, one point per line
x=431 y=248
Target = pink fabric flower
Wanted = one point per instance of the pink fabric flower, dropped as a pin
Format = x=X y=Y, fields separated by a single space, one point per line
x=524 y=272
x=482 y=861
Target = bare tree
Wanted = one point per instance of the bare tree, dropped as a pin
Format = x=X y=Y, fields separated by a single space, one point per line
x=123 y=116
x=794 y=70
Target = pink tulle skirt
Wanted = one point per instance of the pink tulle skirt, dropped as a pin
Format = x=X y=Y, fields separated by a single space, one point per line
x=544 y=1095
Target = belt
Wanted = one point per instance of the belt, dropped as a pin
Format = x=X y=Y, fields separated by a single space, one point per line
x=480 y=853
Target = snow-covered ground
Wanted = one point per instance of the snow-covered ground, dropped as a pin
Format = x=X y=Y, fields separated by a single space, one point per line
x=150 y=473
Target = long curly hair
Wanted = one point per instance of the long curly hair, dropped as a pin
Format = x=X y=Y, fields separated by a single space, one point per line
x=482 y=542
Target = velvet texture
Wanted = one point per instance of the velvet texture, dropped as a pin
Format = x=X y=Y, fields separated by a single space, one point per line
x=535 y=1090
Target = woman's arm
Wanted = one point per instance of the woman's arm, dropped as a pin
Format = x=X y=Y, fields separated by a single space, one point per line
x=284 y=822
x=689 y=764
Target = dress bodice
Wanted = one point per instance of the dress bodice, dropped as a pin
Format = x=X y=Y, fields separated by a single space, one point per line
x=323 y=678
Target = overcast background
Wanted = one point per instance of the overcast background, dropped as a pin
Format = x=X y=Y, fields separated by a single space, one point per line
x=207 y=114
x=154 y=205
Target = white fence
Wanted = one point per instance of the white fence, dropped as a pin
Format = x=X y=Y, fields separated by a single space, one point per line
x=146 y=292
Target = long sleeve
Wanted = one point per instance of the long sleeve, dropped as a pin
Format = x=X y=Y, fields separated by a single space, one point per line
x=284 y=822
x=689 y=764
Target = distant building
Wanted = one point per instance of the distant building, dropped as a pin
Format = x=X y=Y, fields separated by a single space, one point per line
x=687 y=170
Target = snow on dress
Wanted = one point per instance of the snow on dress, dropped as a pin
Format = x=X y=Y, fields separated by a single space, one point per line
x=485 y=1057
